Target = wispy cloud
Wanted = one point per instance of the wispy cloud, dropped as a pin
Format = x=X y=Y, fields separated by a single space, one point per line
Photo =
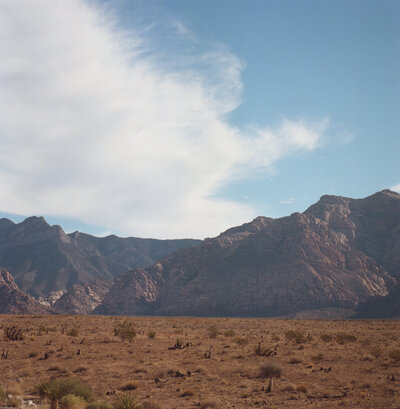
x=395 y=188
x=288 y=201
x=93 y=128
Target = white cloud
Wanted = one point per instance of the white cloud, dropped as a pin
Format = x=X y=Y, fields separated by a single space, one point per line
x=288 y=201
x=93 y=128
x=395 y=188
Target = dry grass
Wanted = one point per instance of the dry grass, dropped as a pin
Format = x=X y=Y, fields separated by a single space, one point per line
x=327 y=364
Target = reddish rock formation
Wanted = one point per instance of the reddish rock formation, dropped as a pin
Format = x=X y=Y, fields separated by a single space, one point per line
x=15 y=301
x=337 y=254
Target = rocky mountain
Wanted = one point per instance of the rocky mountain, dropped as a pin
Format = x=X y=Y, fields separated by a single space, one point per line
x=82 y=299
x=44 y=259
x=338 y=254
x=15 y=301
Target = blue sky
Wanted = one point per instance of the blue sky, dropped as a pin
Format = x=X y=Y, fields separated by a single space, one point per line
x=197 y=115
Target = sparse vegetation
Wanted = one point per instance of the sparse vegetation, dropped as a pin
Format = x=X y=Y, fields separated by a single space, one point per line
x=125 y=330
x=158 y=374
x=271 y=370
x=73 y=332
x=295 y=335
x=212 y=331
x=342 y=338
x=126 y=401
x=152 y=334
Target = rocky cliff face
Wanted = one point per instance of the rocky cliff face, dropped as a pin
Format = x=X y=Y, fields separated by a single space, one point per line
x=44 y=259
x=15 y=301
x=337 y=254
x=82 y=299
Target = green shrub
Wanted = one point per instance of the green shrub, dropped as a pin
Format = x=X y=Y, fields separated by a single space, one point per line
x=125 y=330
x=152 y=334
x=71 y=401
x=127 y=401
x=271 y=370
x=56 y=389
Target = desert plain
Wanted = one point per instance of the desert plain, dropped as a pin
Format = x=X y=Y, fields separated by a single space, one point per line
x=208 y=362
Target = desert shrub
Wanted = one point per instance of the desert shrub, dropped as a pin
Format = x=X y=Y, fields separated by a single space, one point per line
x=275 y=338
x=260 y=349
x=71 y=401
x=152 y=334
x=3 y=396
x=241 y=341
x=395 y=355
x=229 y=333
x=326 y=337
x=317 y=358
x=125 y=330
x=179 y=343
x=33 y=354
x=271 y=370
x=130 y=386
x=212 y=331
x=99 y=405
x=295 y=335
x=186 y=393
x=302 y=388
x=14 y=333
x=150 y=404
x=342 y=338
x=290 y=387
x=13 y=402
x=126 y=401
x=295 y=361
x=56 y=389
x=73 y=332
x=209 y=404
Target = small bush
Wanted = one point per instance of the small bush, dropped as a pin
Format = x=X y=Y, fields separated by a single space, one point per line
x=295 y=335
x=317 y=358
x=55 y=389
x=212 y=331
x=127 y=401
x=290 y=387
x=72 y=402
x=3 y=396
x=342 y=338
x=125 y=330
x=152 y=334
x=241 y=341
x=150 y=404
x=73 y=332
x=271 y=370
x=302 y=388
x=326 y=337
x=130 y=386
x=13 y=402
x=229 y=333
x=295 y=361
x=186 y=393
x=395 y=355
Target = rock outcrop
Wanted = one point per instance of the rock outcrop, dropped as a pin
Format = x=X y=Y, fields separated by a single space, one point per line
x=15 y=301
x=338 y=254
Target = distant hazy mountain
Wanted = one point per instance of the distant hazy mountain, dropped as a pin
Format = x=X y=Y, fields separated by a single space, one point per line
x=43 y=258
x=337 y=254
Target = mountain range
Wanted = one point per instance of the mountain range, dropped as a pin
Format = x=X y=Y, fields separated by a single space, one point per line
x=339 y=258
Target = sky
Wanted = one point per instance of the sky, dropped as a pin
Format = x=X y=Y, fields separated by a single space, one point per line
x=182 y=118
